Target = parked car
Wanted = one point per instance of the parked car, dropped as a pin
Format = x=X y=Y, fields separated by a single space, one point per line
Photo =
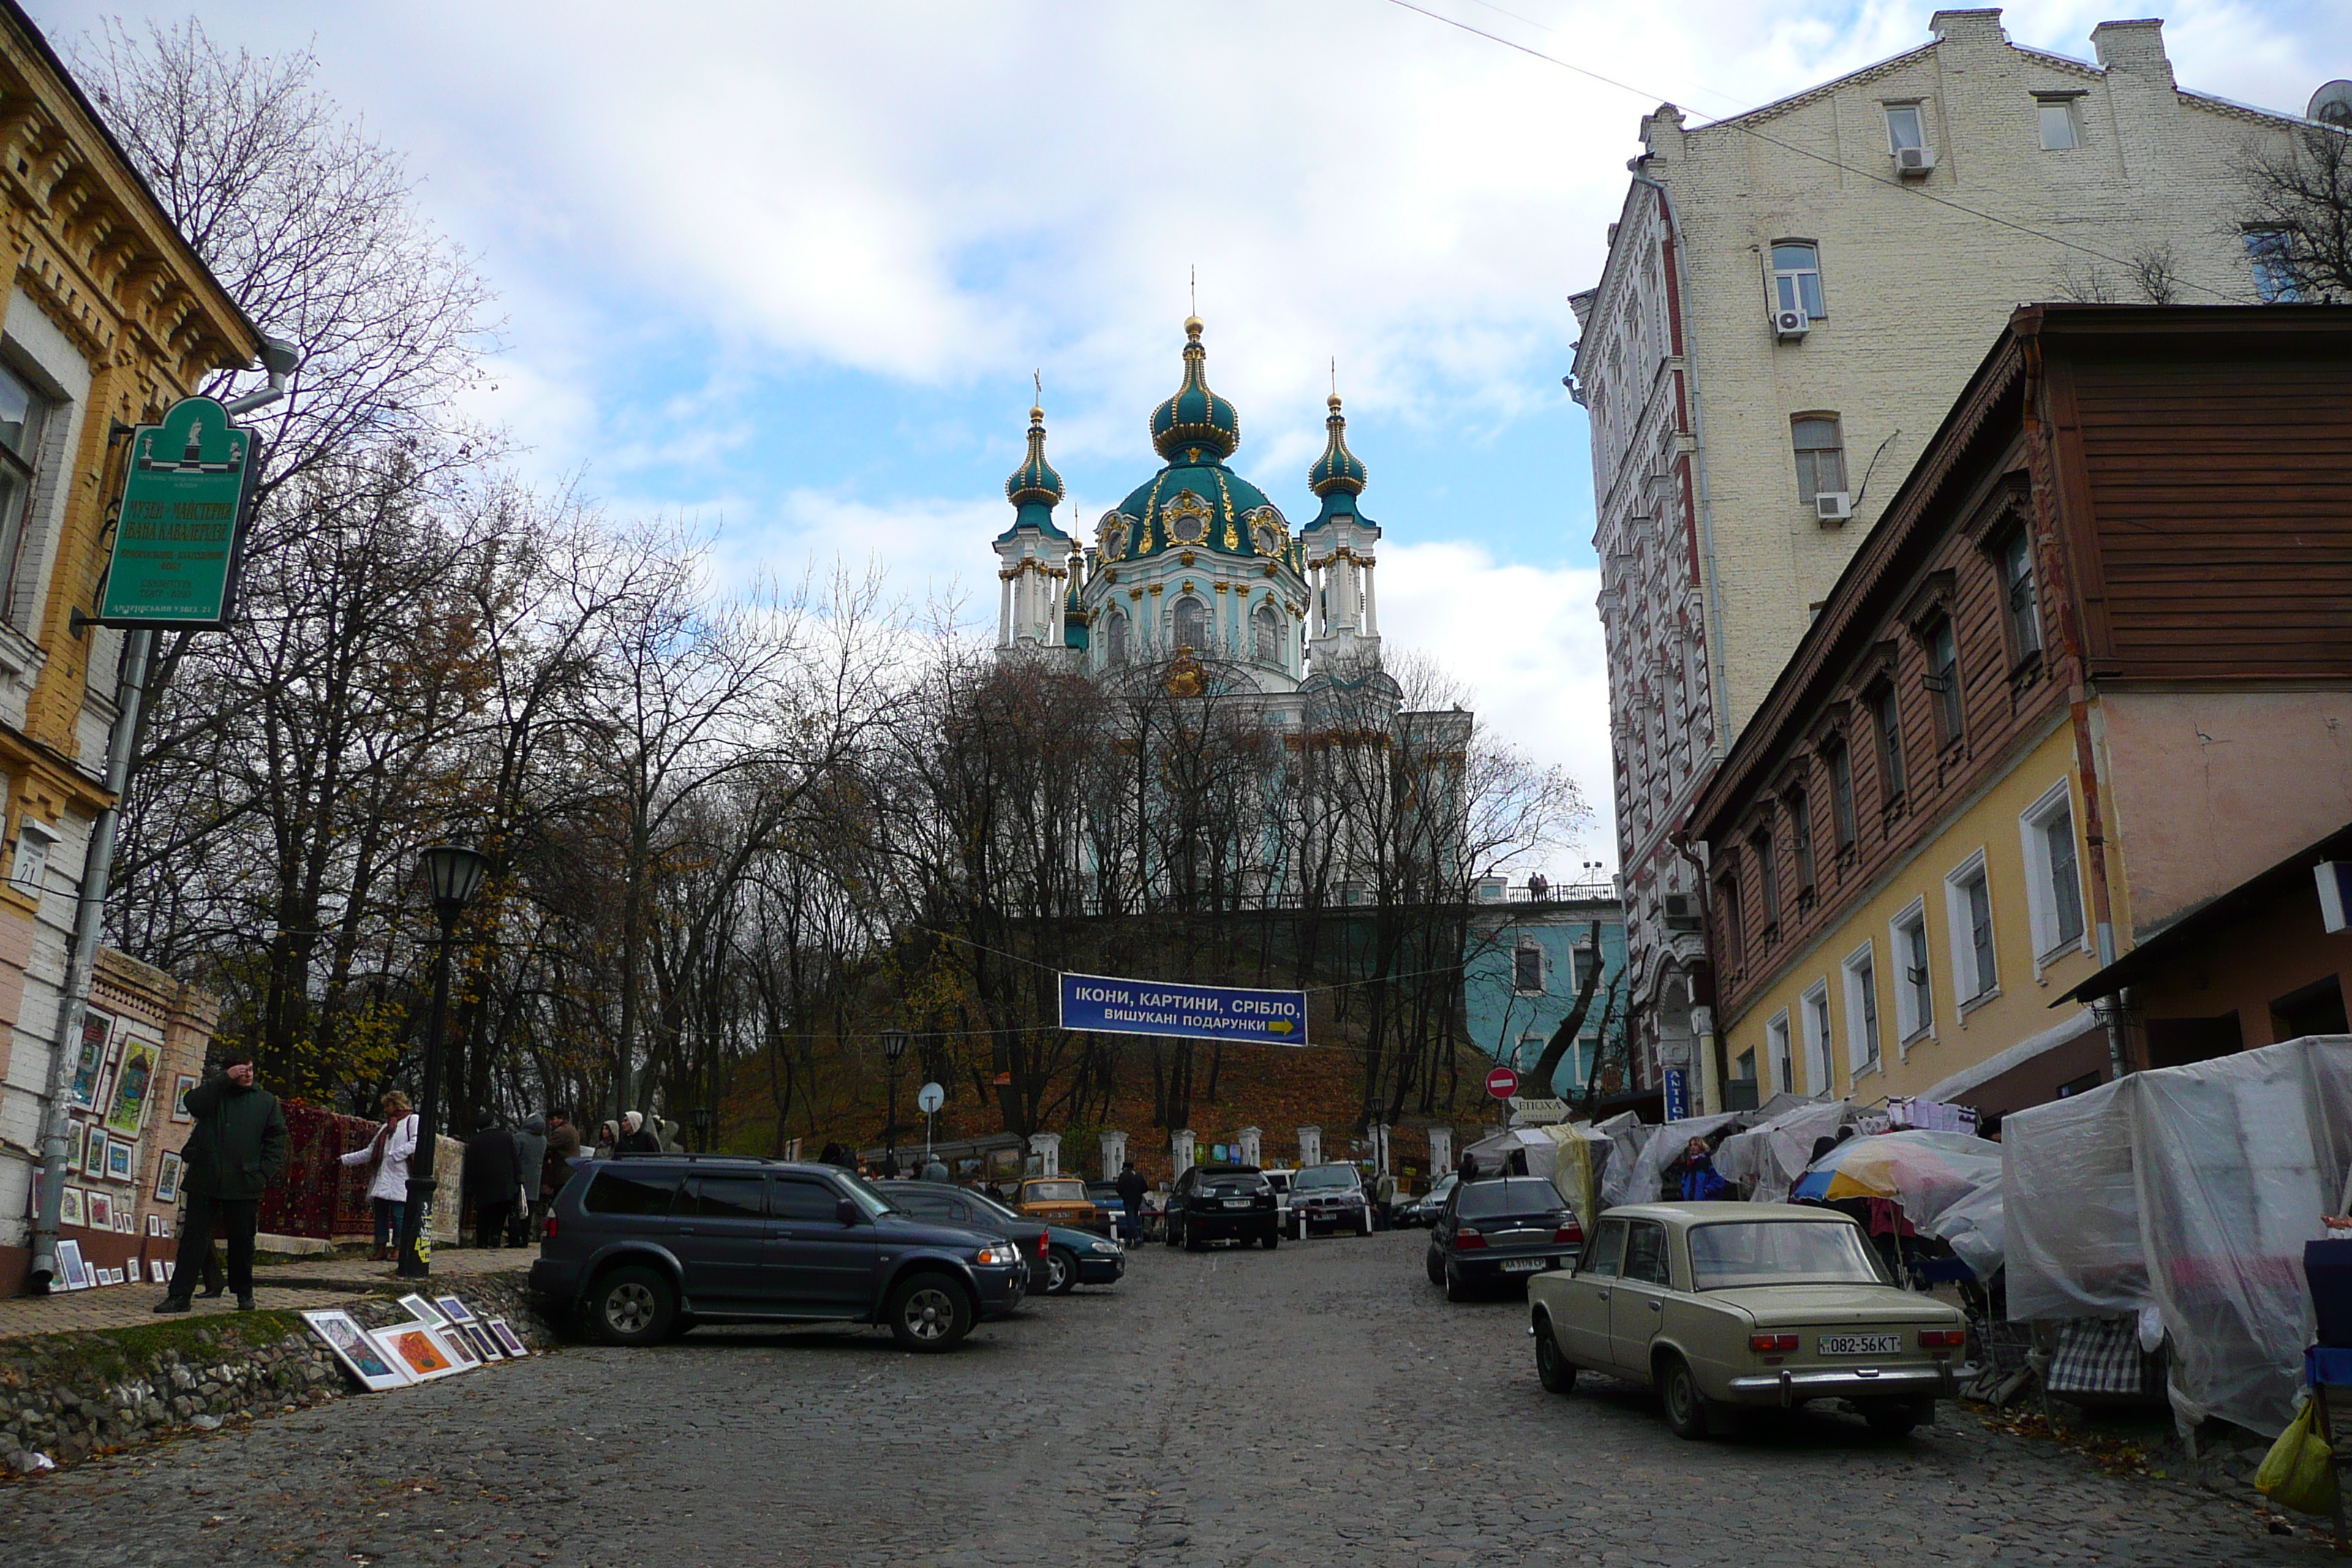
x=1331 y=1198
x=1280 y=1180
x=1223 y=1203
x=944 y=1204
x=1725 y=1305
x=644 y=1245
x=1500 y=1228
x=1061 y=1200
x=1423 y=1210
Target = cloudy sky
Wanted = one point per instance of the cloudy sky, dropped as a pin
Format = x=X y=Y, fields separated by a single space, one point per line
x=788 y=269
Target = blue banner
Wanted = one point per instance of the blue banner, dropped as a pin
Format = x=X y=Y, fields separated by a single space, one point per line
x=1109 y=1005
x=1677 y=1094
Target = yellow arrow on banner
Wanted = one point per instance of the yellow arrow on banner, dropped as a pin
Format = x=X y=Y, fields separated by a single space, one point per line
x=1280 y=1026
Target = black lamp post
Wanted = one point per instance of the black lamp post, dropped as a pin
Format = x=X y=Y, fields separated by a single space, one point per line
x=702 y=1121
x=454 y=874
x=894 y=1046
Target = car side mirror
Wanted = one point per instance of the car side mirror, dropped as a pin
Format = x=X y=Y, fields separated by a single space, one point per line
x=845 y=1212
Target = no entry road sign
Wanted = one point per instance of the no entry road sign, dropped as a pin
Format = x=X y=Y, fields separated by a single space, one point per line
x=1502 y=1083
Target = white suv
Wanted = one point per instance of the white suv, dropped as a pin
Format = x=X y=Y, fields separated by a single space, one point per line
x=1280 y=1181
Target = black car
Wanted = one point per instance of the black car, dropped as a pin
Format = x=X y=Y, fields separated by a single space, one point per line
x=1061 y=1259
x=642 y=1245
x=1424 y=1209
x=1501 y=1228
x=1223 y=1203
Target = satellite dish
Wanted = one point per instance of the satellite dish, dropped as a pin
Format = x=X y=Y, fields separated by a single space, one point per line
x=2332 y=105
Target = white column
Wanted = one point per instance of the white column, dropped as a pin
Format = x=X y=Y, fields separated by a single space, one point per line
x=1004 y=610
x=1114 y=1153
x=1310 y=1146
x=1180 y=1147
x=1316 y=626
x=1250 y=1139
x=1380 y=1130
x=1047 y=1147
x=1441 y=1152
x=1371 y=605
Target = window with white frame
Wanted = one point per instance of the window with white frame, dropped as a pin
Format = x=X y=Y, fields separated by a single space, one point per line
x=2059 y=132
x=30 y=867
x=2272 y=252
x=1915 y=986
x=1861 y=969
x=1797 y=277
x=1968 y=899
x=1905 y=129
x=1268 y=625
x=2053 y=881
x=1528 y=969
x=1815 y=1007
x=24 y=420
x=1776 y=1047
x=1820 y=445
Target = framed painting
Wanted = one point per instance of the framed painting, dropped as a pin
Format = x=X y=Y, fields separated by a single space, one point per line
x=509 y=1341
x=126 y=1216
x=71 y=1209
x=93 y=1153
x=452 y=1309
x=167 y=1176
x=424 y=1311
x=419 y=1351
x=162 y=1269
x=361 y=1356
x=180 y=1086
x=120 y=1157
x=460 y=1347
x=486 y=1342
x=90 y=1061
x=102 y=1211
x=70 y=1268
x=134 y=1086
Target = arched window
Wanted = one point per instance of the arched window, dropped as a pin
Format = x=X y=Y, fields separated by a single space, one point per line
x=1192 y=625
x=1115 y=640
x=1269 y=624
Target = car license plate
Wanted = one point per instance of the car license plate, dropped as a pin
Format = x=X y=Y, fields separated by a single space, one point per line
x=1861 y=1344
x=1522 y=1265
x=1237 y=1203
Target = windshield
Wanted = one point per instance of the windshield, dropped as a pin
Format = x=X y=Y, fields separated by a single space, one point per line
x=1780 y=1252
x=989 y=1202
x=1056 y=1192
x=1326 y=1176
x=1234 y=1186
x=1513 y=1195
x=867 y=1197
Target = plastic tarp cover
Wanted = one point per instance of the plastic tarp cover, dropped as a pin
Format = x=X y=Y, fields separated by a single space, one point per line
x=1582 y=1158
x=1636 y=1180
x=2193 y=1190
x=1767 y=1158
x=1494 y=1152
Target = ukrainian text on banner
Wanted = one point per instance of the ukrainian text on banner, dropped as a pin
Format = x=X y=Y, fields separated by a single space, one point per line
x=1109 y=1005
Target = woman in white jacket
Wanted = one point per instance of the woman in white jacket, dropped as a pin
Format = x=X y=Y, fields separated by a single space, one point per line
x=388 y=1151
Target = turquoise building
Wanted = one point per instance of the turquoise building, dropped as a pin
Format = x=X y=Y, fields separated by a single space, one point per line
x=1529 y=948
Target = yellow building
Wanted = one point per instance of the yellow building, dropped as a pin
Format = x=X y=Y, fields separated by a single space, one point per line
x=109 y=318
x=2086 y=677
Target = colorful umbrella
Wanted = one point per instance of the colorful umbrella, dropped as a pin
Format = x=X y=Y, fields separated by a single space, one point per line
x=1926 y=1172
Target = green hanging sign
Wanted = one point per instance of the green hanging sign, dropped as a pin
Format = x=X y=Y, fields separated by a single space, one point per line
x=179 y=537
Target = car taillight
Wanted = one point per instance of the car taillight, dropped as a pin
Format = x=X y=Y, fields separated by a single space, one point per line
x=1943 y=1339
x=547 y=1231
x=1771 y=1342
x=1042 y=1238
x=1467 y=1238
x=1569 y=1233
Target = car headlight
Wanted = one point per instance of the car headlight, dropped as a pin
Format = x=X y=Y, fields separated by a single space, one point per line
x=1104 y=1246
x=998 y=1253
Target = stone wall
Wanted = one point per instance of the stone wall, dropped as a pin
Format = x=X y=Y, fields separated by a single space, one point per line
x=70 y=1395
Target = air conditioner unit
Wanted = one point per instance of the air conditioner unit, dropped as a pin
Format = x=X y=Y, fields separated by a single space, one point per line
x=1913 y=162
x=1677 y=904
x=1832 y=506
x=1791 y=326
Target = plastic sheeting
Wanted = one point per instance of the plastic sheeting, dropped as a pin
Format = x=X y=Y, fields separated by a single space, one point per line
x=1636 y=1180
x=2191 y=1190
x=1767 y=1158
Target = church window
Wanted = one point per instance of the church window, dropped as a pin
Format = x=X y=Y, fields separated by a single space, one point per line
x=1192 y=625
x=1268 y=627
x=1115 y=640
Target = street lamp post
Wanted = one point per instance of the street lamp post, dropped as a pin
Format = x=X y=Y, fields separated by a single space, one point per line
x=455 y=873
x=894 y=1046
x=702 y=1121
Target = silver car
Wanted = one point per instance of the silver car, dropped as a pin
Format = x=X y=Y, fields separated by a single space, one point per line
x=1721 y=1305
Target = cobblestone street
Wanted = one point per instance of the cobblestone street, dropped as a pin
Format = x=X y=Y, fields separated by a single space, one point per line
x=1318 y=1405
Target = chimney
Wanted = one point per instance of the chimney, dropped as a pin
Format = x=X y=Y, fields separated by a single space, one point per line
x=2134 y=46
x=1662 y=133
x=1981 y=28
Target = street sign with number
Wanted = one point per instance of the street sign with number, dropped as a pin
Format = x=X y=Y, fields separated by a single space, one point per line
x=1502 y=1083
x=180 y=535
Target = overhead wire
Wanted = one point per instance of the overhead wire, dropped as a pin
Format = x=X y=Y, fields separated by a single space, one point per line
x=1735 y=123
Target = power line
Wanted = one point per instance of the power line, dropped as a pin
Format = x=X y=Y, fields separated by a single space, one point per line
x=1824 y=158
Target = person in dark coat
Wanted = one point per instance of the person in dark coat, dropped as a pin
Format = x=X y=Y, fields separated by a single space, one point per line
x=563 y=1148
x=636 y=1138
x=530 y=1154
x=236 y=1151
x=490 y=1178
x=1131 y=1188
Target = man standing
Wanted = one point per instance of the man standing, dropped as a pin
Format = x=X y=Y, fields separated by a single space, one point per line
x=530 y=1155
x=236 y=1151
x=555 y=1168
x=490 y=1178
x=1131 y=1188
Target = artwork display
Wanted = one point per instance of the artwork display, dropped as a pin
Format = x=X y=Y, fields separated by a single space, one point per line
x=418 y=1349
x=154 y=1224
x=120 y=1158
x=162 y=1271
x=453 y=1311
x=89 y=1062
x=70 y=1268
x=134 y=1086
x=486 y=1342
x=167 y=1177
x=102 y=1211
x=93 y=1156
x=509 y=1341
x=71 y=1209
x=114 y=1277
x=362 y=1356
x=180 y=1086
x=422 y=1311
x=461 y=1347
x=126 y=1217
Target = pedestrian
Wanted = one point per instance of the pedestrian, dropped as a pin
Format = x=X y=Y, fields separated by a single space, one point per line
x=236 y=1150
x=490 y=1178
x=936 y=1170
x=1468 y=1169
x=636 y=1138
x=1384 y=1202
x=530 y=1153
x=555 y=1167
x=608 y=1139
x=1701 y=1183
x=387 y=1154
x=1131 y=1188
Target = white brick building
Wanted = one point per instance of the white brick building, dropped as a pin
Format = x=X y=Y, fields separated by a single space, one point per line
x=1792 y=301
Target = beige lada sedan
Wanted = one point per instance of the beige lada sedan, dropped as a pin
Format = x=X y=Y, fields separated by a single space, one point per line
x=1721 y=1305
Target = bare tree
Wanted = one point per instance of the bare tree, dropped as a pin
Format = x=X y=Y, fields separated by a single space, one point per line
x=2298 y=215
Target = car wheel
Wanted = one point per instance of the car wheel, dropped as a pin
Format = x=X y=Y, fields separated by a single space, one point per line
x=1193 y=1243
x=1552 y=1369
x=1170 y=1233
x=1685 y=1407
x=1436 y=1270
x=1061 y=1272
x=928 y=1312
x=632 y=1305
x=1456 y=1288
x=1895 y=1417
x=1272 y=1237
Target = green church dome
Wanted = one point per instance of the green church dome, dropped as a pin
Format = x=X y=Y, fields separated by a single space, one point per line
x=1337 y=468
x=1036 y=489
x=1196 y=422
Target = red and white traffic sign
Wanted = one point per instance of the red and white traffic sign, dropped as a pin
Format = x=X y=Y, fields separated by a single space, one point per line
x=1502 y=1083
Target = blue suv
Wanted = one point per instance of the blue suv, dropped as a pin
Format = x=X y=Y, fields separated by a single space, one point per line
x=644 y=1245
